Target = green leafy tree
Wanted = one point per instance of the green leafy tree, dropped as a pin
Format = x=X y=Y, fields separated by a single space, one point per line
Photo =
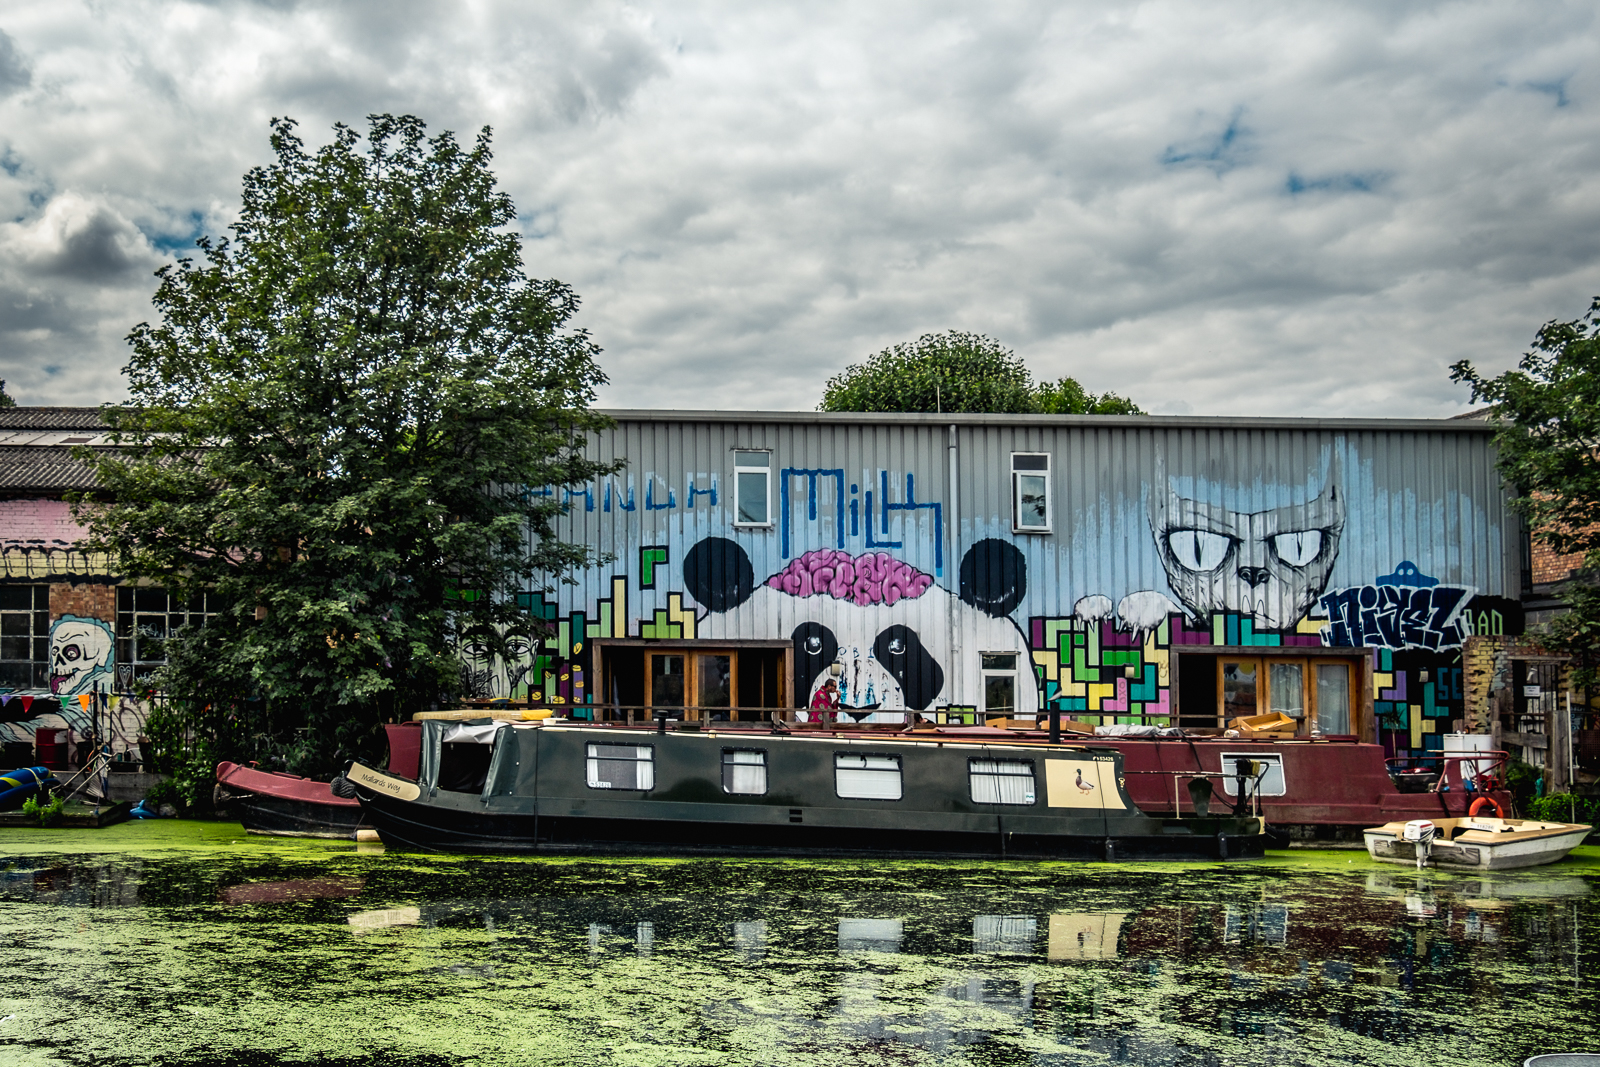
x=1067 y=397
x=332 y=432
x=1546 y=414
x=6 y=401
x=958 y=372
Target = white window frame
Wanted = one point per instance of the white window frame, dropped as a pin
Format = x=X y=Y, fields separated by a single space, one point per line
x=999 y=771
x=744 y=468
x=876 y=770
x=985 y=673
x=1016 y=493
x=644 y=760
x=766 y=782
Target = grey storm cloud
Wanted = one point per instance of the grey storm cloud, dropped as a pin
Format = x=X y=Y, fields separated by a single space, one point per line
x=14 y=71
x=1231 y=208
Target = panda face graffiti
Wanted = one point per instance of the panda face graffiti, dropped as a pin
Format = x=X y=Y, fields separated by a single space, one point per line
x=876 y=627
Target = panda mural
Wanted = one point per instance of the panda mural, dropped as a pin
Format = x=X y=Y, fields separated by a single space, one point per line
x=876 y=625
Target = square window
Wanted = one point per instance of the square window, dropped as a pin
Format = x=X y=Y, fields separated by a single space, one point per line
x=867 y=777
x=1001 y=781
x=622 y=767
x=1030 y=491
x=744 y=771
x=752 y=488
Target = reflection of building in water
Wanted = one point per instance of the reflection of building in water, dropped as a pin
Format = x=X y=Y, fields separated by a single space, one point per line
x=750 y=939
x=1004 y=935
x=1266 y=923
x=603 y=935
x=870 y=935
x=1085 y=935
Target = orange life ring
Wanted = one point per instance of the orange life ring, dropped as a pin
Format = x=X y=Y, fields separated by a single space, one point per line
x=1479 y=804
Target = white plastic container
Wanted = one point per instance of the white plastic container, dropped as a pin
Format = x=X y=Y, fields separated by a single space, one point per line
x=1466 y=744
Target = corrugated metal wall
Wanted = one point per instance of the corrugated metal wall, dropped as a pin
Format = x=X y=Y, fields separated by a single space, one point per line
x=1425 y=495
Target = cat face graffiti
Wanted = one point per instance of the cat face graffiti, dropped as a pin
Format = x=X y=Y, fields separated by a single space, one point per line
x=1271 y=565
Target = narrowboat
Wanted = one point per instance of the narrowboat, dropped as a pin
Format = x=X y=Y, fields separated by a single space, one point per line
x=554 y=785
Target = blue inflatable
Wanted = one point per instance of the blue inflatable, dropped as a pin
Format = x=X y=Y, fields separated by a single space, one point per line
x=17 y=786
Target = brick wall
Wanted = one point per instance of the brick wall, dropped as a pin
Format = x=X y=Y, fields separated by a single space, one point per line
x=1550 y=566
x=89 y=601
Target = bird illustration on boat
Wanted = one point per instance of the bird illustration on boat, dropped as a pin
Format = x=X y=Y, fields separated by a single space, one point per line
x=1083 y=786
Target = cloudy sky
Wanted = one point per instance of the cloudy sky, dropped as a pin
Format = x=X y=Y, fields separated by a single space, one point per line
x=1222 y=208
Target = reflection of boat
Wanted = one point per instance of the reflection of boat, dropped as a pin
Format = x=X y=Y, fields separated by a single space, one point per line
x=298 y=889
x=1482 y=844
x=752 y=789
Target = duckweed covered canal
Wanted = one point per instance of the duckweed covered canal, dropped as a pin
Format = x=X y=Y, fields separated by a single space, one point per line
x=195 y=944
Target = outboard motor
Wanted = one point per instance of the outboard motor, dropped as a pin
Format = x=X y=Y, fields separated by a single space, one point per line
x=1421 y=833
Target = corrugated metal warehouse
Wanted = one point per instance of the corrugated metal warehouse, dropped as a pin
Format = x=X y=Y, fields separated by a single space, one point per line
x=1132 y=569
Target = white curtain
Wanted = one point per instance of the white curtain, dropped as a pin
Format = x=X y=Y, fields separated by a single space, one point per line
x=621 y=767
x=1001 y=781
x=744 y=772
x=867 y=777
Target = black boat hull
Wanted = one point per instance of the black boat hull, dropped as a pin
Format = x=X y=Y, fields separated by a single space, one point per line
x=433 y=828
x=280 y=817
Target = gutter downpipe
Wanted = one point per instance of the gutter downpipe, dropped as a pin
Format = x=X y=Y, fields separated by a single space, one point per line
x=958 y=673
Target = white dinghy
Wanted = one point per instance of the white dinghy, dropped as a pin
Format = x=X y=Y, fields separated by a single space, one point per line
x=1474 y=844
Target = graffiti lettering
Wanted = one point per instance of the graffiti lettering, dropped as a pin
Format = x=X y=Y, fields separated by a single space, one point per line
x=1397 y=617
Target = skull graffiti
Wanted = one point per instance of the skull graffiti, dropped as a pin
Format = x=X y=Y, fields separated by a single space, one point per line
x=80 y=654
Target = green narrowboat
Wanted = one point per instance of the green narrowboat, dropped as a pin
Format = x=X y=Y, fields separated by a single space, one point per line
x=557 y=786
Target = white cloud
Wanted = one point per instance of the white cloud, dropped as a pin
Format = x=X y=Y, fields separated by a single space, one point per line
x=1233 y=208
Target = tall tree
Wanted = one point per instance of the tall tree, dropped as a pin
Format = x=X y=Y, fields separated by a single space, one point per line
x=1546 y=414
x=6 y=401
x=959 y=372
x=340 y=428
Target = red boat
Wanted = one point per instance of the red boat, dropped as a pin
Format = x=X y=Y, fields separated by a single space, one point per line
x=1308 y=782
x=285 y=805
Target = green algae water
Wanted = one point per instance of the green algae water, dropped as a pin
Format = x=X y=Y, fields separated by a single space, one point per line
x=196 y=944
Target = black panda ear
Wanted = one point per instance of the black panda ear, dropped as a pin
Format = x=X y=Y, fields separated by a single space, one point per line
x=717 y=573
x=994 y=577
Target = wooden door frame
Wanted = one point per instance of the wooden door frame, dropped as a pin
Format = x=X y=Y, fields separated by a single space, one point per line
x=1363 y=723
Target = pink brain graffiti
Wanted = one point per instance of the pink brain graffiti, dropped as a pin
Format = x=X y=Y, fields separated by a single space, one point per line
x=873 y=578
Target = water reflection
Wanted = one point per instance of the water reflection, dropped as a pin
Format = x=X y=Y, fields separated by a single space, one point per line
x=723 y=961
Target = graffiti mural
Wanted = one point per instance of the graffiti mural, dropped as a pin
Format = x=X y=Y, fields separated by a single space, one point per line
x=1270 y=565
x=80 y=656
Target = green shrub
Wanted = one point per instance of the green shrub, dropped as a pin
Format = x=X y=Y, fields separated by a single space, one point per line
x=47 y=813
x=1563 y=807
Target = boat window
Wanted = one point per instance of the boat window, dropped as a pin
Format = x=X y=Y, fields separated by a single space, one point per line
x=866 y=777
x=744 y=771
x=996 y=781
x=622 y=767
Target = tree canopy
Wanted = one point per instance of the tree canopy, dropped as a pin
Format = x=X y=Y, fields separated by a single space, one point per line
x=1546 y=414
x=339 y=429
x=959 y=372
x=6 y=401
